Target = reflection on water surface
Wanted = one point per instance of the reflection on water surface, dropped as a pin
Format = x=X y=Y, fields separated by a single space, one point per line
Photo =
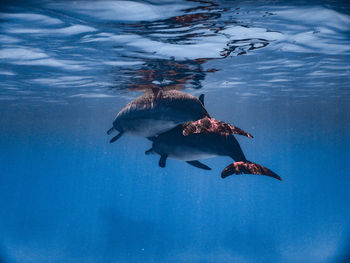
x=128 y=44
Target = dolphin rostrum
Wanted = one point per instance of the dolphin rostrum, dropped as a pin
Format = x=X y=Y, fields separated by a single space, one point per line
x=202 y=139
x=157 y=111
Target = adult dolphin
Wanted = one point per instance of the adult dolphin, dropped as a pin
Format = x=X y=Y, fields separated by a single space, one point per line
x=206 y=138
x=157 y=111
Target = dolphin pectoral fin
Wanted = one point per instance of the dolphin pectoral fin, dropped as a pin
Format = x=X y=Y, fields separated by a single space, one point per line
x=198 y=164
x=116 y=137
x=247 y=167
x=111 y=130
x=201 y=98
x=152 y=139
x=150 y=151
x=162 y=160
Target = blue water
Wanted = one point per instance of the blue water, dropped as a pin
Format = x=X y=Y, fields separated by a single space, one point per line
x=280 y=70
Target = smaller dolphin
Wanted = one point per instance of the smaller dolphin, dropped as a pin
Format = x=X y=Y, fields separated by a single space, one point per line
x=156 y=112
x=202 y=139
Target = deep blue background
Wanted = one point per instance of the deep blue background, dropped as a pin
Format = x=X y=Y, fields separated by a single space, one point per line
x=67 y=195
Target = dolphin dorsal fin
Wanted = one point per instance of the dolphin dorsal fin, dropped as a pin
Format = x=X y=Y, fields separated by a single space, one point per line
x=210 y=125
x=201 y=98
x=155 y=90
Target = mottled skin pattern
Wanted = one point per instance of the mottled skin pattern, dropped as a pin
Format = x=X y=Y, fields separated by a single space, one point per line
x=207 y=125
x=248 y=168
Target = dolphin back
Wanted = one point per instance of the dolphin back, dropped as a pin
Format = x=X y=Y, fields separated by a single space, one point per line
x=172 y=105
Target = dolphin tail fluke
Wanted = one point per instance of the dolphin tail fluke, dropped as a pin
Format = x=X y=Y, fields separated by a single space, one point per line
x=248 y=168
x=116 y=137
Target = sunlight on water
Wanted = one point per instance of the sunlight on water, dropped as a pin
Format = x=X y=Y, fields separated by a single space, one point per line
x=277 y=70
x=118 y=39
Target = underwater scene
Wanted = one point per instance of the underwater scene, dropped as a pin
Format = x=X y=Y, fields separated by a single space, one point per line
x=190 y=131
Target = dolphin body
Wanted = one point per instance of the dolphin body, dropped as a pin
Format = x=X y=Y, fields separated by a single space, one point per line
x=209 y=139
x=156 y=112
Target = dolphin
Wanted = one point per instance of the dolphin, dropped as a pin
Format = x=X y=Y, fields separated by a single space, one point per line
x=203 y=139
x=157 y=111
